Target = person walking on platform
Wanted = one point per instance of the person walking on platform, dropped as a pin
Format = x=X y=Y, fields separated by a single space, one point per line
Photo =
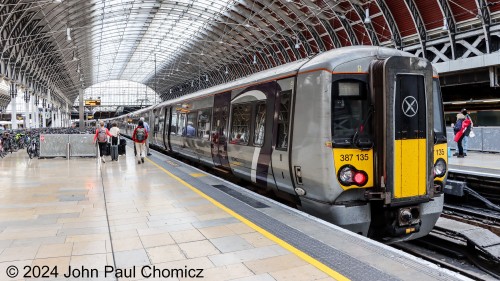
x=101 y=136
x=465 y=141
x=146 y=126
x=139 y=137
x=459 y=129
x=115 y=131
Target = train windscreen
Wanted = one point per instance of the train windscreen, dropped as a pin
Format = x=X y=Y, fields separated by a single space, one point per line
x=439 y=125
x=350 y=111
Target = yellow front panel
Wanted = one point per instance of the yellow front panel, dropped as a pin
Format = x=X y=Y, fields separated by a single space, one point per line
x=410 y=168
x=441 y=151
x=362 y=160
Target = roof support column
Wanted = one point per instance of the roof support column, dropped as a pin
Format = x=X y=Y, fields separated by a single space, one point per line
x=13 y=105
x=26 y=109
x=44 y=114
x=484 y=15
x=80 y=109
x=35 y=112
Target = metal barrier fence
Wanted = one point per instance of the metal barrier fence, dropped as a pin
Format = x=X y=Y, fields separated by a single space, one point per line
x=487 y=139
x=67 y=145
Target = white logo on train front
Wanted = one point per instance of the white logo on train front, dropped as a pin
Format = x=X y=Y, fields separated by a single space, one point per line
x=410 y=106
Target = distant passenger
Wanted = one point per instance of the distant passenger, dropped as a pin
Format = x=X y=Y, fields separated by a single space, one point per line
x=146 y=126
x=465 y=141
x=101 y=136
x=459 y=129
x=190 y=131
x=139 y=137
x=115 y=131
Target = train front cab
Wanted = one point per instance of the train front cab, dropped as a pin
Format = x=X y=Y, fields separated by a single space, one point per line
x=383 y=144
x=404 y=201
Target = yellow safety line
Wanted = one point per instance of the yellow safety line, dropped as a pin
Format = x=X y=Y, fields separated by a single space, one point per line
x=259 y=229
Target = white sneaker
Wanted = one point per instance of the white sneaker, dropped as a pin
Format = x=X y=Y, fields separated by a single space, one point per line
x=102 y=159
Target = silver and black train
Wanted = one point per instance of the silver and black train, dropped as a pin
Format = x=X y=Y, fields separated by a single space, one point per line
x=354 y=136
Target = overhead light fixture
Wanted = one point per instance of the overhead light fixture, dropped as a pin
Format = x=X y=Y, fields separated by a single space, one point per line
x=297 y=43
x=206 y=77
x=68 y=34
x=74 y=56
x=367 y=16
x=254 y=59
x=192 y=84
x=170 y=90
x=227 y=72
x=78 y=68
x=445 y=24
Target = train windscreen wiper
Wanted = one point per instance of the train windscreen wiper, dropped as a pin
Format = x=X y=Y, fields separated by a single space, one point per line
x=363 y=142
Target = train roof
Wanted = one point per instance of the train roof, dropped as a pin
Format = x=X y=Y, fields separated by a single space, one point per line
x=327 y=60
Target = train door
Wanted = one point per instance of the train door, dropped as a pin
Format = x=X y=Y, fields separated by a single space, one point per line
x=219 y=131
x=251 y=134
x=281 y=135
x=166 y=130
x=405 y=138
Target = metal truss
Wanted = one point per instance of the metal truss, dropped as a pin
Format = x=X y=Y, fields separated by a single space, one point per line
x=184 y=46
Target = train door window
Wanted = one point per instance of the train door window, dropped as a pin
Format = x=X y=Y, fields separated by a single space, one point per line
x=284 y=120
x=181 y=125
x=350 y=107
x=191 y=123
x=240 y=124
x=173 y=125
x=260 y=123
x=204 y=117
x=156 y=125
x=161 y=120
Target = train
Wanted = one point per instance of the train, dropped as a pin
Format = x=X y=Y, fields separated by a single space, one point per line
x=355 y=136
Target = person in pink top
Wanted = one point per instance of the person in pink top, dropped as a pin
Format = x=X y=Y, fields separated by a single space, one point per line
x=101 y=136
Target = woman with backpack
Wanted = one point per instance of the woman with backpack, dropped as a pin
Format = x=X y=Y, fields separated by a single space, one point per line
x=139 y=137
x=101 y=136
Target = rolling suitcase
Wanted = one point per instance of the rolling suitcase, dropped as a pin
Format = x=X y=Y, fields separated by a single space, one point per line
x=121 y=147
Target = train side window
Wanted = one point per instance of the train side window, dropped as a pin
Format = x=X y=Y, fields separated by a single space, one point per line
x=240 y=123
x=284 y=120
x=161 y=120
x=191 y=123
x=173 y=125
x=181 y=125
x=260 y=123
x=204 y=118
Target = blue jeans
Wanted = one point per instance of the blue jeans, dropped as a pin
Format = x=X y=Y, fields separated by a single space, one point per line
x=464 y=143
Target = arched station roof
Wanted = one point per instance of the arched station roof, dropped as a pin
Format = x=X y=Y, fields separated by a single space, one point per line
x=177 y=47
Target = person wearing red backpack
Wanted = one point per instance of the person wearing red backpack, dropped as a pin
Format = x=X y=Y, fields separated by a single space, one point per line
x=139 y=137
x=101 y=136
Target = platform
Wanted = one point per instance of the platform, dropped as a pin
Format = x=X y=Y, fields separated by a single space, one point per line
x=113 y=216
x=476 y=163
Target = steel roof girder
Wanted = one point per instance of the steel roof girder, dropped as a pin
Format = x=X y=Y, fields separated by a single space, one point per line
x=389 y=19
x=419 y=23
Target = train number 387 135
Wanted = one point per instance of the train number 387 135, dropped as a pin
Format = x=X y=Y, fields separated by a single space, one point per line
x=350 y=157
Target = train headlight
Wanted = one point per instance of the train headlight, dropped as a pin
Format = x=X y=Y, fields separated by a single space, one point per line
x=439 y=168
x=348 y=175
x=345 y=175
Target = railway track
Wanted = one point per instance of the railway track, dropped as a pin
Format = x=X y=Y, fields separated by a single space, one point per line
x=454 y=254
x=473 y=202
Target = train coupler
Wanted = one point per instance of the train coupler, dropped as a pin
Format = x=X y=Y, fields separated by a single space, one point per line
x=374 y=195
